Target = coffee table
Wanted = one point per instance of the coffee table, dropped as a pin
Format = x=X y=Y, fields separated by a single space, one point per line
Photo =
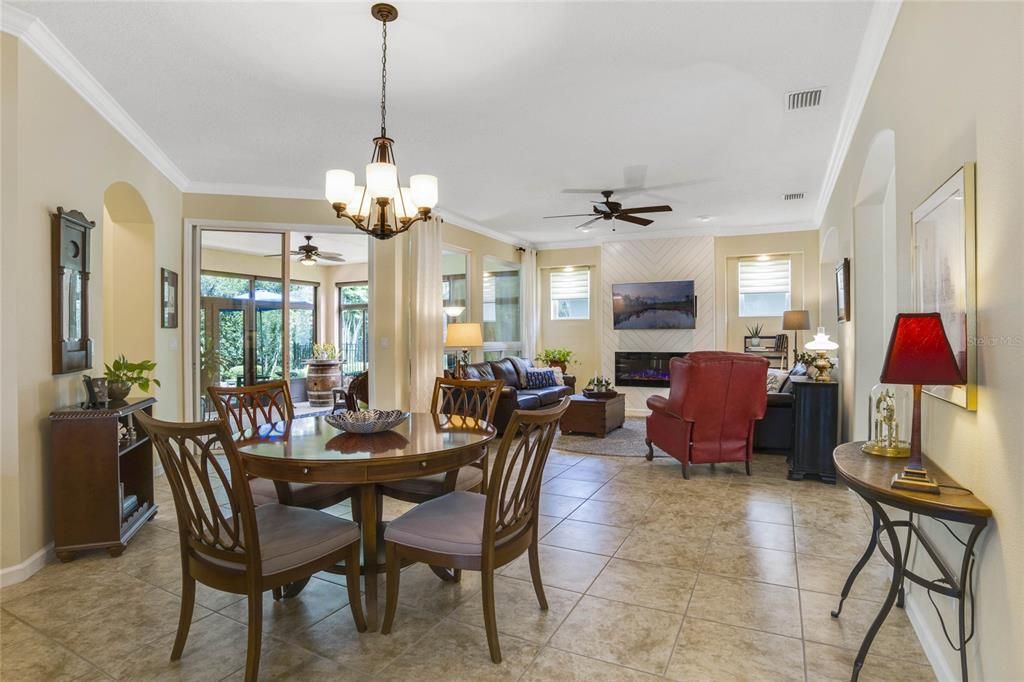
x=594 y=416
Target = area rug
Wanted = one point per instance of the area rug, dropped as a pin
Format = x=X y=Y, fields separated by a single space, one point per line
x=627 y=441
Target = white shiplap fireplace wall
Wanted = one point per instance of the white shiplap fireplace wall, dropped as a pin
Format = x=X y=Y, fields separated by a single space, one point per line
x=657 y=260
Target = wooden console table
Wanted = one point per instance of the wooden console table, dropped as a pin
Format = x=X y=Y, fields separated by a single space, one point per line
x=93 y=464
x=870 y=476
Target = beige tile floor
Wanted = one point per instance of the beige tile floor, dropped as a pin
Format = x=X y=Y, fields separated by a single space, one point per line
x=648 y=576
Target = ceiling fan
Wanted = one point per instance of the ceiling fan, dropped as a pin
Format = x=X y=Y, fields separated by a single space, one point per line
x=612 y=210
x=311 y=254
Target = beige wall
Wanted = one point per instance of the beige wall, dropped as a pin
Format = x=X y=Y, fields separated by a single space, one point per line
x=950 y=87
x=57 y=151
x=582 y=337
x=802 y=247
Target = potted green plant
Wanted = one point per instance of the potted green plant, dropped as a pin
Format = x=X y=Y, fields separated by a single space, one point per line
x=754 y=332
x=600 y=387
x=122 y=375
x=556 y=357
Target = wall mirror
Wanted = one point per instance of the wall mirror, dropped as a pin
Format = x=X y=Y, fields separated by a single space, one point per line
x=945 y=276
x=72 y=345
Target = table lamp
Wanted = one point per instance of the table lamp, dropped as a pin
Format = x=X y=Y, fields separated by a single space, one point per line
x=464 y=335
x=796 y=321
x=919 y=353
x=454 y=311
x=822 y=345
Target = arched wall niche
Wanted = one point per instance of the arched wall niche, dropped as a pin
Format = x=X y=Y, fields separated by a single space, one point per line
x=873 y=275
x=130 y=306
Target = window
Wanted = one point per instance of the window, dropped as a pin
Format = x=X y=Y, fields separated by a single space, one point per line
x=501 y=307
x=354 y=326
x=570 y=294
x=764 y=287
x=241 y=333
x=454 y=293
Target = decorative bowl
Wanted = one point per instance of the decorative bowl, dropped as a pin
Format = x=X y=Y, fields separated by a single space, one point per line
x=367 y=421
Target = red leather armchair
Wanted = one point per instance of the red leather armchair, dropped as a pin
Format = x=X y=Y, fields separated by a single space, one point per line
x=714 y=399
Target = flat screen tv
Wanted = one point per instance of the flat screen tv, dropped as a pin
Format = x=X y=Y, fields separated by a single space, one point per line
x=654 y=305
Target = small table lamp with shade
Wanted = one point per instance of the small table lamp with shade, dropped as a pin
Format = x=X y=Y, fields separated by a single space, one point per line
x=796 y=321
x=919 y=353
x=463 y=336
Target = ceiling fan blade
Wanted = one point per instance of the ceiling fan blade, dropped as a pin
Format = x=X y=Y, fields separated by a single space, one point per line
x=582 y=191
x=277 y=255
x=593 y=220
x=329 y=254
x=569 y=215
x=646 y=209
x=643 y=222
x=334 y=257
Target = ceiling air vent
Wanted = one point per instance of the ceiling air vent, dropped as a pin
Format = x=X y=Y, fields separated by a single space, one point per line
x=803 y=99
x=793 y=197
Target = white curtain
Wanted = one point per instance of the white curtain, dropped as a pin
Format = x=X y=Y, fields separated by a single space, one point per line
x=425 y=329
x=530 y=308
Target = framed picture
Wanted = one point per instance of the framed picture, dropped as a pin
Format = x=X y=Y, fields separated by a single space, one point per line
x=945 y=275
x=168 y=299
x=843 y=291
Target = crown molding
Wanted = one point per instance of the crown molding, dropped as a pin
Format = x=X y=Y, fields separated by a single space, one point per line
x=264 y=191
x=33 y=33
x=460 y=220
x=679 y=233
x=872 y=49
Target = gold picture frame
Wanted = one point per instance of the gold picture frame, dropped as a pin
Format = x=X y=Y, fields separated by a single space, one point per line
x=944 y=251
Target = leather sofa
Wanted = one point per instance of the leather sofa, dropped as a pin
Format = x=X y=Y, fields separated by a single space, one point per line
x=774 y=433
x=715 y=399
x=515 y=396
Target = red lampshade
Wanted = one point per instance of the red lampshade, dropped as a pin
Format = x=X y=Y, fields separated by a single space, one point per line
x=919 y=352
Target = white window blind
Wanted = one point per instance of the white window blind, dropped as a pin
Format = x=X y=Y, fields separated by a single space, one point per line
x=570 y=294
x=764 y=287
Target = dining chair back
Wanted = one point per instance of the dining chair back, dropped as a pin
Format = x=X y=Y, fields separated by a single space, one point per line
x=465 y=531
x=466 y=398
x=231 y=546
x=248 y=407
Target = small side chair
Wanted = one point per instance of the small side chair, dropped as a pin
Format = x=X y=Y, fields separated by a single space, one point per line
x=236 y=547
x=464 y=530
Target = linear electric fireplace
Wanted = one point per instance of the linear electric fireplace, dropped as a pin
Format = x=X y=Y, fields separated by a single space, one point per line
x=643 y=369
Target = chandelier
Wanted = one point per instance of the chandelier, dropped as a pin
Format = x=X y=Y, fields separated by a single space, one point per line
x=381 y=208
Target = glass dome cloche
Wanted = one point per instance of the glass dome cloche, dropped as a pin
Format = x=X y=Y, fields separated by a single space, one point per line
x=889 y=417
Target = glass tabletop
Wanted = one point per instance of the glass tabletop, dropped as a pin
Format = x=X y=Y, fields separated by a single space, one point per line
x=313 y=439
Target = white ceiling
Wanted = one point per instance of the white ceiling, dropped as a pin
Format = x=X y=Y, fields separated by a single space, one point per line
x=507 y=103
x=353 y=248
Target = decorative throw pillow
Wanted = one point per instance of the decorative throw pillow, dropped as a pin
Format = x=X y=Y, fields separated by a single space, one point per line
x=522 y=366
x=777 y=379
x=540 y=378
x=559 y=377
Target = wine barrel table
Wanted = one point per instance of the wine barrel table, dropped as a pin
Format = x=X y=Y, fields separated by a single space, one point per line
x=322 y=377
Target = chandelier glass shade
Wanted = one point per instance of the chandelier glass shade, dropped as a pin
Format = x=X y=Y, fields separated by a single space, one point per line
x=381 y=207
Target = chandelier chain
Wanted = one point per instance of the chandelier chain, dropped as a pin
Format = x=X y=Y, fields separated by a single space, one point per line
x=384 y=79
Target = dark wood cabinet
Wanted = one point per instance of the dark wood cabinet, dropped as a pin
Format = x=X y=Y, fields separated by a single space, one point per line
x=815 y=430
x=99 y=458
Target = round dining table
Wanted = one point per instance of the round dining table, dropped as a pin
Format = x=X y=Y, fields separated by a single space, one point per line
x=310 y=450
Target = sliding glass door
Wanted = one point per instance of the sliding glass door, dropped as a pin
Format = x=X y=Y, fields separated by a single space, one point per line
x=354 y=327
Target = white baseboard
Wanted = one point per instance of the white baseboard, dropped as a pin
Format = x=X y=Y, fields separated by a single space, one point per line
x=27 y=568
x=935 y=647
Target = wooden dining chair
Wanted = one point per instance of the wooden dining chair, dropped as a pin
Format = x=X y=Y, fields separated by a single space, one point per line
x=248 y=407
x=463 y=530
x=475 y=400
x=230 y=545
